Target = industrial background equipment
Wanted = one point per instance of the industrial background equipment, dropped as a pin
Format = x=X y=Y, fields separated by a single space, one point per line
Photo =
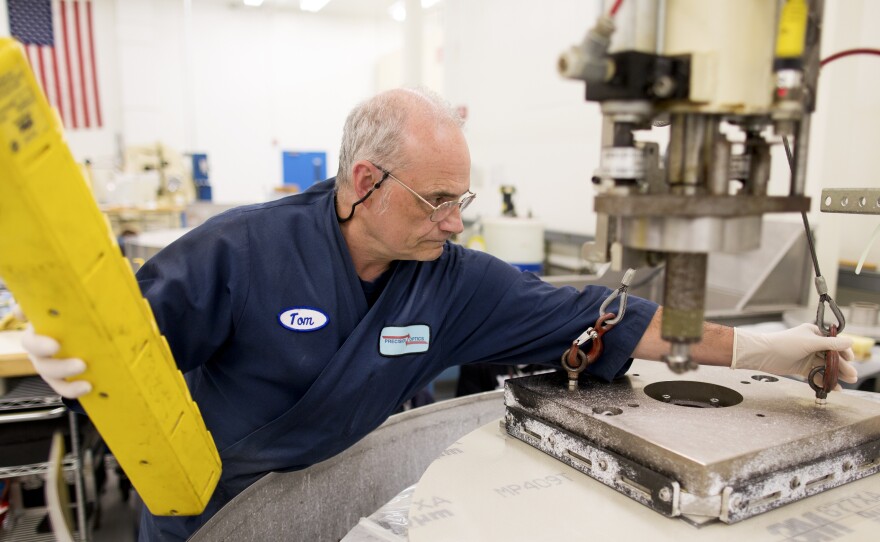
x=717 y=73
x=730 y=78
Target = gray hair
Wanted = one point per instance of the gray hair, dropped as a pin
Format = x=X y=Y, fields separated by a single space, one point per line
x=375 y=129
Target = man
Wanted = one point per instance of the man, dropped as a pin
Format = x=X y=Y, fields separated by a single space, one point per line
x=301 y=324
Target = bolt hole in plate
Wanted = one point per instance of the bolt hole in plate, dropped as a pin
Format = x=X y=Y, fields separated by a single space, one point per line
x=765 y=378
x=606 y=411
x=692 y=394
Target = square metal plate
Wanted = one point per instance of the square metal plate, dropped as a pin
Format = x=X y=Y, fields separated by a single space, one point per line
x=708 y=431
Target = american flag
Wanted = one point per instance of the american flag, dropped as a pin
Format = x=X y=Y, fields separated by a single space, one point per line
x=59 y=39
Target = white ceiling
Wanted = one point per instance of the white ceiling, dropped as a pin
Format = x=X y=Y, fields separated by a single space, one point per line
x=346 y=8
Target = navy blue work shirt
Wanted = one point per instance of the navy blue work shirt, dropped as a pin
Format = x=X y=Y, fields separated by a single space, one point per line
x=290 y=365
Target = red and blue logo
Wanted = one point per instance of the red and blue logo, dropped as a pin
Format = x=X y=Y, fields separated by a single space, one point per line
x=402 y=340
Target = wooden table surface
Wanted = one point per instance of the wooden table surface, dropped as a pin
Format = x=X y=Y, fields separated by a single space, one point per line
x=13 y=358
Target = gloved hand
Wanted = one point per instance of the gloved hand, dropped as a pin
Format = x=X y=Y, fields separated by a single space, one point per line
x=40 y=350
x=791 y=352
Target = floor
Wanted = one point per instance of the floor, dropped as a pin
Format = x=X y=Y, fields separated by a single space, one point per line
x=115 y=522
x=119 y=516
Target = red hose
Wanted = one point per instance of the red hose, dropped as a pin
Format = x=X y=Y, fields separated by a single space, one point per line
x=614 y=8
x=841 y=54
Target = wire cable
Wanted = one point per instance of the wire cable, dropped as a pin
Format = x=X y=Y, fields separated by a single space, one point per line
x=654 y=273
x=848 y=52
x=821 y=287
x=806 y=221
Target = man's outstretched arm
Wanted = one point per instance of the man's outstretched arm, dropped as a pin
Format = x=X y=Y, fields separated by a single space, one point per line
x=791 y=352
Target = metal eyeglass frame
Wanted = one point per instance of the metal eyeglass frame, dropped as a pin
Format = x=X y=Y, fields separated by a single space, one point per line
x=444 y=209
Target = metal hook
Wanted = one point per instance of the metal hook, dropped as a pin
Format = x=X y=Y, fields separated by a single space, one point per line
x=820 y=315
x=822 y=290
x=574 y=360
x=622 y=292
x=829 y=372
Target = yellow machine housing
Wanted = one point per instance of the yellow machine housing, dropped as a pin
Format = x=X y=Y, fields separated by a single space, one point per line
x=63 y=266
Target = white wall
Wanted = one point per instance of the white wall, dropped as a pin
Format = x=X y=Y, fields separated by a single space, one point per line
x=530 y=128
x=243 y=85
x=261 y=81
x=526 y=126
x=256 y=82
x=845 y=132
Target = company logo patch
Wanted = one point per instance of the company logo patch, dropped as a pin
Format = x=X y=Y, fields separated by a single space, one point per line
x=303 y=319
x=399 y=341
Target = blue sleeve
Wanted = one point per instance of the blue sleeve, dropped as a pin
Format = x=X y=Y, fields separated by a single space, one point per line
x=197 y=287
x=502 y=315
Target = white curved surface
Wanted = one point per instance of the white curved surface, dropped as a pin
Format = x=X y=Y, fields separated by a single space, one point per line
x=324 y=501
x=489 y=486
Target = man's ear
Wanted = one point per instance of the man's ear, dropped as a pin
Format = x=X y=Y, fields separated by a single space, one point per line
x=363 y=177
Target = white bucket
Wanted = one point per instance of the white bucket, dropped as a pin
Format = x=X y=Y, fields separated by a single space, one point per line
x=518 y=241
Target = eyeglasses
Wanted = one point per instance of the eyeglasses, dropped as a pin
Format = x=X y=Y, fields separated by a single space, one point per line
x=439 y=213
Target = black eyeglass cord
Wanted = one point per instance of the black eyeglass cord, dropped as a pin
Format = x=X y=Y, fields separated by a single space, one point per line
x=376 y=186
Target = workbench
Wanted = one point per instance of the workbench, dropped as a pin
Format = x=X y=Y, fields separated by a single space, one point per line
x=13 y=358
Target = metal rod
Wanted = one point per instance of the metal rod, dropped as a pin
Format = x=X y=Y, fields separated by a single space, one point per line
x=717 y=158
x=759 y=165
x=675 y=153
x=802 y=143
x=79 y=480
x=685 y=297
x=693 y=146
x=660 y=31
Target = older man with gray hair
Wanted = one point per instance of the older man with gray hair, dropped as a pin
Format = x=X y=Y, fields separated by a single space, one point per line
x=301 y=324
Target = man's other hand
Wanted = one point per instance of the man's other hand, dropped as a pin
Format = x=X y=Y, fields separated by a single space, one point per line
x=791 y=352
x=55 y=371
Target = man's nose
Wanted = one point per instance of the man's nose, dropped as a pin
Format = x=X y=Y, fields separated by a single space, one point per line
x=452 y=223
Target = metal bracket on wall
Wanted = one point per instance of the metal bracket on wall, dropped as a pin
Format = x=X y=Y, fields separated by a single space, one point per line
x=859 y=201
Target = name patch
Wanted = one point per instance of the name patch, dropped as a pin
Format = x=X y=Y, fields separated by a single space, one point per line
x=399 y=341
x=303 y=319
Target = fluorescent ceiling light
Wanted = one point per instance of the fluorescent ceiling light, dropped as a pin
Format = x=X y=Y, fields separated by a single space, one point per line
x=313 y=5
x=397 y=10
x=253 y=3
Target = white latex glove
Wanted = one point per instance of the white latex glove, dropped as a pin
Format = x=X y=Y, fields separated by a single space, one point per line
x=55 y=371
x=791 y=352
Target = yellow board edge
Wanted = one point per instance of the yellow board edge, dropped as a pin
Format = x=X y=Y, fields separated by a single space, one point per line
x=62 y=264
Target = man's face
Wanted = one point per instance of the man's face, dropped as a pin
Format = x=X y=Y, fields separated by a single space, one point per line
x=439 y=171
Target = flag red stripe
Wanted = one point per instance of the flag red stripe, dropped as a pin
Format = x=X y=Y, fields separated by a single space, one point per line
x=94 y=65
x=29 y=49
x=67 y=64
x=58 y=97
x=42 y=68
x=82 y=70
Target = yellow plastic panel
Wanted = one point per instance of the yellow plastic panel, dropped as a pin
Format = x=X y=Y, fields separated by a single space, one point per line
x=792 y=29
x=59 y=259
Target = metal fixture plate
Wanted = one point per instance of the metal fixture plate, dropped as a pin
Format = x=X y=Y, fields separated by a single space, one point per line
x=628 y=477
x=773 y=447
x=692 y=206
x=851 y=201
